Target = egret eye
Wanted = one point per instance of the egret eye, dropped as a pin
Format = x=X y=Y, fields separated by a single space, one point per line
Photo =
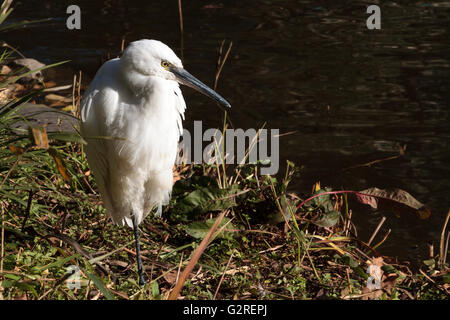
x=165 y=64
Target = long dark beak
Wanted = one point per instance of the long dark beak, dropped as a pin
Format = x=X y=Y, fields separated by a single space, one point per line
x=189 y=80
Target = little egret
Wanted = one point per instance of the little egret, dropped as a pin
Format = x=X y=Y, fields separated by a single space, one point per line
x=131 y=118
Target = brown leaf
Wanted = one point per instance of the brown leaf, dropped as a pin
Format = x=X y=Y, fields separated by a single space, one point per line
x=389 y=283
x=377 y=261
x=40 y=137
x=119 y=263
x=59 y=164
x=53 y=98
x=50 y=84
x=369 y=294
x=5 y=70
x=396 y=200
x=57 y=105
x=171 y=277
x=316 y=187
x=16 y=150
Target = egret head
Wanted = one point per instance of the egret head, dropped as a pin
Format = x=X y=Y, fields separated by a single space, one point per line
x=145 y=58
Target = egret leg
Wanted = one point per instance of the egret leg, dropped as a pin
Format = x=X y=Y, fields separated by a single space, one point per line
x=138 y=252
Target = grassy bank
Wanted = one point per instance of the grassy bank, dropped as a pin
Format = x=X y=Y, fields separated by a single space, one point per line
x=58 y=243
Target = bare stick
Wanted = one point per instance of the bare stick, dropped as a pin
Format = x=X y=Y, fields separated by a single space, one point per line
x=122 y=44
x=223 y=276
x=2 y=253
x=27 y=211
x=196 y=256
x=430 y=250
x=401 y=153
x=441 y=247
x=221 y=62
x=382 y=240
x=180 y=11
x=444 y=258
x=376 y=231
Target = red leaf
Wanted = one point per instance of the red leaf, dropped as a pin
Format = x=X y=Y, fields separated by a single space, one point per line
x=396 y=200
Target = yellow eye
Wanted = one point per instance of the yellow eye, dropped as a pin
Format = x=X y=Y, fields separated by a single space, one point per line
x=165 y=64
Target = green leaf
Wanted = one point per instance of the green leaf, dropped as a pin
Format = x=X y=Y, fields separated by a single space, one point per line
x=349 y=261
x=323 y=201
x=5 y=11
x=360 y=272
x=11 y=276
x=199 y=229
x=16 y=25
x=429 y=263
x=58 y=263
x=328 y=219
x=7 y=284
x=155 y=289
x=446 y=278
x=26 y=287
x=205 y=199
x=99 y=284
x=387 y=268
x=299 y=234
x=68 y=137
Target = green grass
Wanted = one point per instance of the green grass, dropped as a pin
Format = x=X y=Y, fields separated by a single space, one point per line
x=259 y=255
x=266 y=248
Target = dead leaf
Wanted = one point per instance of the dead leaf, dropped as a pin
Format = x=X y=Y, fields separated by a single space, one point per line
x=5 y=70
x=171 y=277
x=57 y=98
x=16 y=150
x=40 y=137
x=10 y=92
x=389 y=283
x=232 y=272
x=50 y=84
x=396 y=200
x=369 y=294
x=377 y=261
x=59 y=164
x=67 y=108
x=57 y=104
x=119 y=263
x=316 y=187
x=30 y=64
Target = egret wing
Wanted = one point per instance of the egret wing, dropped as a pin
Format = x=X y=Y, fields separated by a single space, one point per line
x=180 y=105
x=98 y=107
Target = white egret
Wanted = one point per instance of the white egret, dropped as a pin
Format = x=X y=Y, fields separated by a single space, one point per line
x=131 y=118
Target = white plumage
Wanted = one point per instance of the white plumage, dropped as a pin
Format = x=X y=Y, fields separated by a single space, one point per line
x=131 y=118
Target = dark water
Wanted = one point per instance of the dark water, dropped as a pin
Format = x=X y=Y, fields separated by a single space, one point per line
x=351 y=95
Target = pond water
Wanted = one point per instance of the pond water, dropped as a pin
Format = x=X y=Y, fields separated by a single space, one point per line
x=347 y=95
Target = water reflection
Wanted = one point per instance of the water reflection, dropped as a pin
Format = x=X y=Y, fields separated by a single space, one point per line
x=351 y=95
